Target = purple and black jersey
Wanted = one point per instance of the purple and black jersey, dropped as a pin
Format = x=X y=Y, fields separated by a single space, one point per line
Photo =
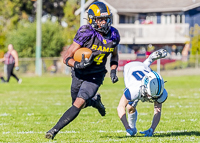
x=101 y=47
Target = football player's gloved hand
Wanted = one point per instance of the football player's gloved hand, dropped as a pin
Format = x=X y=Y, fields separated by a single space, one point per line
x=16 y=68
x=113 y=76
x=84 y=62
x=148 y=133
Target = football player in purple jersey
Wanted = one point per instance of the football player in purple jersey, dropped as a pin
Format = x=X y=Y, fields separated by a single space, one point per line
x=88 y=75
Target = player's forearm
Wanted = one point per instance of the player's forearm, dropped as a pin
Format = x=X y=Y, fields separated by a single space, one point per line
x=113 y=67
x=15 y=55
x=16 y=64
x=157 y=115
x=114 y=63
x=16 y=61
x=70 y=53
x=2 y=60
x=156 y=120
x=114 y=60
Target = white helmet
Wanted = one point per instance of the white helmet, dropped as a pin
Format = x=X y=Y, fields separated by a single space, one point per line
x=154 y=84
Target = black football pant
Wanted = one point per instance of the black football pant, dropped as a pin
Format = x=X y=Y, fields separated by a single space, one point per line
x=10 y=73
x=83 y=89
x=86 y=87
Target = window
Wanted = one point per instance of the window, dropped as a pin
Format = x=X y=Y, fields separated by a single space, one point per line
x=121 y=18
x=126 y=19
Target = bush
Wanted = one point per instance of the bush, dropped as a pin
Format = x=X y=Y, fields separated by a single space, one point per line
x=24 y=39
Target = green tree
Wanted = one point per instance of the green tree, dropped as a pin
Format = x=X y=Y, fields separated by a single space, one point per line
x=11 y=11
x=72 y=20
x=195 y=39
x=24 y=39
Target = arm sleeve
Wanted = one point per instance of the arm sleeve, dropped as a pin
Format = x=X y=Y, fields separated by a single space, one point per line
x=83 y=34
x=127 y=94
x=115 y=36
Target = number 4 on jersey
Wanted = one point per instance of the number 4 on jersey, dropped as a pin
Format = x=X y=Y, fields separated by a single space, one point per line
x=99 y=59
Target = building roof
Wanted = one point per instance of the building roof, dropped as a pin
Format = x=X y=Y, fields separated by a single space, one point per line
x=153 y=5
x=144 y=6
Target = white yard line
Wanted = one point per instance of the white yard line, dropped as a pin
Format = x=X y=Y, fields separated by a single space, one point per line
x=100 y=131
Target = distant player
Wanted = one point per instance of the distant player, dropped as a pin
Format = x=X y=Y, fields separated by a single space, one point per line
x=88 y=75
x=142 y=84
x=11 y=60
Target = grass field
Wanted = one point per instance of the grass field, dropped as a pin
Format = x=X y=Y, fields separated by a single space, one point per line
x=30 y=109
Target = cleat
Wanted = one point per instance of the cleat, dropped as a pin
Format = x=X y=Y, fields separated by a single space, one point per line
x=131 y=132
x=51 y=134
x=20 y=81
x=2 y=80
x=99 y=105
x=162 y=53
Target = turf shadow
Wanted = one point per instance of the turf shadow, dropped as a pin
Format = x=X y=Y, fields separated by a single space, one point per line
x=178 y=133
x=167 y=134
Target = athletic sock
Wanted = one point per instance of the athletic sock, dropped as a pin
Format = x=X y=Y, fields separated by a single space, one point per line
x=124 y=121
x=148 y=61
x=132 y=118
x=67 y=117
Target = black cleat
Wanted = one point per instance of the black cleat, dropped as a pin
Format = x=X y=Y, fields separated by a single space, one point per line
x=2 y=80
x=51 y=134
x=100 y=106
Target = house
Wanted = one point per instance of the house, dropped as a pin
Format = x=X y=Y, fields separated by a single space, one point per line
x=161 y=23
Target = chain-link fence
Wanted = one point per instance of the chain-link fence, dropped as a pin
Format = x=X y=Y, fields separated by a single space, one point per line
x=49 y=65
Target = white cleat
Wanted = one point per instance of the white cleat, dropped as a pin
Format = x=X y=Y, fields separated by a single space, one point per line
x=162 y=53
x=19 y=81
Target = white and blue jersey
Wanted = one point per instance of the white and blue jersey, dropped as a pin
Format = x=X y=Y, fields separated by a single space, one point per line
x=133 y=75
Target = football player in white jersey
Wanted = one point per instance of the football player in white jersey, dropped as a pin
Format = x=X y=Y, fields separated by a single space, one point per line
x=142 y=84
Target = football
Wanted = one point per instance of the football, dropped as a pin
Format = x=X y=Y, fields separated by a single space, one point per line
x=78 y=54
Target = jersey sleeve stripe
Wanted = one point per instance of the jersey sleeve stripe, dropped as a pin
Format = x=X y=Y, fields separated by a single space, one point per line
x=127 y=94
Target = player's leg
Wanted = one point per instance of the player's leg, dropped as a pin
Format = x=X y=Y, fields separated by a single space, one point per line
x=121 y=110
x=12 y=74
x=72 y=112
x=84 y=94
x=161 y=53
x=75 y=86
x=132 y=114
x=95 y=101
x=9 y=70
x=67 y=117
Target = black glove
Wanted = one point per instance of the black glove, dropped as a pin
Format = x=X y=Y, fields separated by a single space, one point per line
x=113 y=75
x=84 y=63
